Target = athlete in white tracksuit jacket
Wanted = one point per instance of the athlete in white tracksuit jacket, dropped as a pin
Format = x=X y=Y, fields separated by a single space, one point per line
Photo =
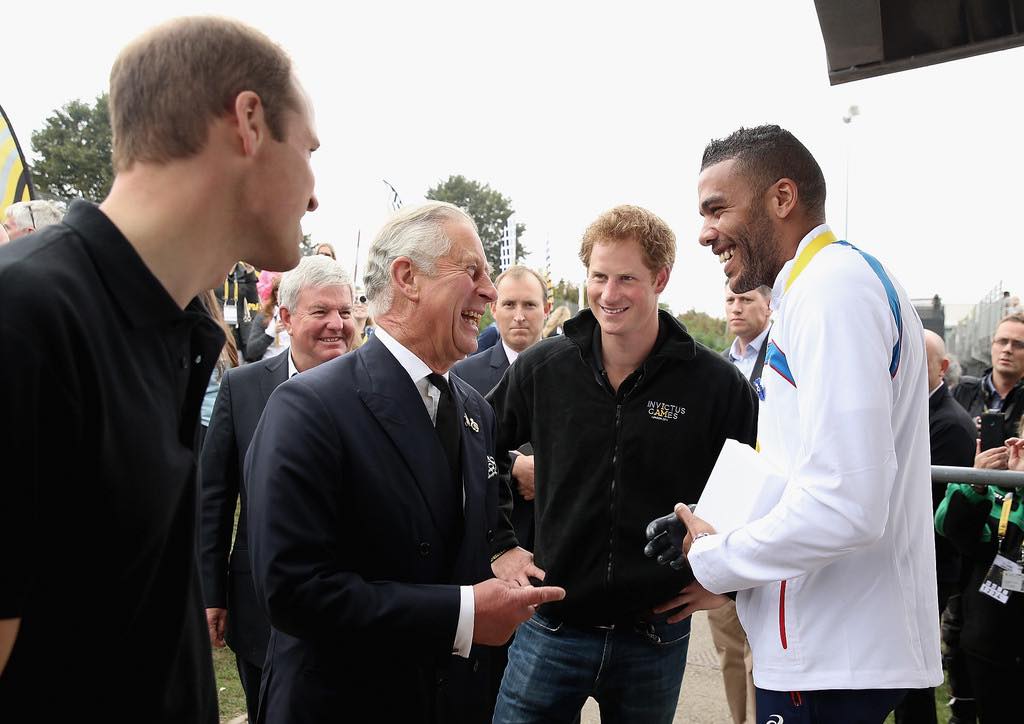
x=835 y=573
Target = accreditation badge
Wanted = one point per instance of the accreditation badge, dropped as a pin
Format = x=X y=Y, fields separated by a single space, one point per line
x=1004 y=577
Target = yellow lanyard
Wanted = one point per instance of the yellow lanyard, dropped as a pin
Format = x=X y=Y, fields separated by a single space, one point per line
x=226 y=298
x=817 y=244
x=1004 y=515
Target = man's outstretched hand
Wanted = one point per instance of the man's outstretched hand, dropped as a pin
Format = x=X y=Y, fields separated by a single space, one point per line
x=500 y=606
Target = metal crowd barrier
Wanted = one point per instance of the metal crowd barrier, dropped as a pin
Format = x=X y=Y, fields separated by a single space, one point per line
x=943 y=474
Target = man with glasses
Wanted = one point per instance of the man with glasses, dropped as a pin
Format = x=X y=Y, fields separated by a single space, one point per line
x=24 y=217
x=999 y=389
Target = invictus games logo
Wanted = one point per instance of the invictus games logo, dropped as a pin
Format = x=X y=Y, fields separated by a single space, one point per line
x=662 y=411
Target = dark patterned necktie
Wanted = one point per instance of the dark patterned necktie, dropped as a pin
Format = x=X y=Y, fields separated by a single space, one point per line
x=447 y=427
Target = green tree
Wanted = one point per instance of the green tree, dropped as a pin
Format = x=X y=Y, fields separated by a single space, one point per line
x=489 y=209
x=74 y=149
x=709 y=331
x=567 y=293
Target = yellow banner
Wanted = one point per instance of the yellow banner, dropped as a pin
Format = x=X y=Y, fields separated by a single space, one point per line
x=14 y=178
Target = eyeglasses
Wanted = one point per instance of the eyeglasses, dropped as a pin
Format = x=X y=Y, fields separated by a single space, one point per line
x=1016 y=344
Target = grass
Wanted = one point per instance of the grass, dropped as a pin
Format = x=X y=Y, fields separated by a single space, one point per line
x=230 y=697
x=941 y=704
x=229 y=689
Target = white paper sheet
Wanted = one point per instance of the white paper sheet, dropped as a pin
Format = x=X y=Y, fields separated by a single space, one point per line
x=743 y=486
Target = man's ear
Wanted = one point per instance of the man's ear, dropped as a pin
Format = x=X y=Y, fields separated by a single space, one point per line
x=944 y=365
x=661 y=279
x=250 y=121
x=286 y=318
x=405 y=278
x=783 y=197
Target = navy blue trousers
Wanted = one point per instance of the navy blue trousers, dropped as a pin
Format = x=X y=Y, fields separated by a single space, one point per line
x=837 y=706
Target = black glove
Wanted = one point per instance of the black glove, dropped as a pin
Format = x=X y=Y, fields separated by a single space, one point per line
x=665 y=541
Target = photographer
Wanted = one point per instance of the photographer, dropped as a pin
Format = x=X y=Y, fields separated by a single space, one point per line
x=1001 y=388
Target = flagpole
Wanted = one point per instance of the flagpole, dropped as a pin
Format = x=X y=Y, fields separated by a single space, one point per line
x=355 y=266
x=396 y=200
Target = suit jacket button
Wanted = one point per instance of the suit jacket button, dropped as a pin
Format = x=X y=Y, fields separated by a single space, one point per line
x=424 y=549
x=476 y=665
x=490 y=536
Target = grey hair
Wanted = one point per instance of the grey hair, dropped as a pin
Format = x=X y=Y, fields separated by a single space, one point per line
x=36 y=214
x=416 y=232
x=312 y=271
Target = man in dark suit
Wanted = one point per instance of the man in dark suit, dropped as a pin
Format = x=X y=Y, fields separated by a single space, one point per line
x=373 y=498
x=316 y=310
x=519 y=314
x=952 y=433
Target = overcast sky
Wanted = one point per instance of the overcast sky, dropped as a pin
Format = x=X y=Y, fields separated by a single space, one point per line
x=572 y=107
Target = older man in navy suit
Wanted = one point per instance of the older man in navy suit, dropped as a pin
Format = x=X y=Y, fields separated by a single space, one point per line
x=374 y=497
x=316 y=311
x=519 y=314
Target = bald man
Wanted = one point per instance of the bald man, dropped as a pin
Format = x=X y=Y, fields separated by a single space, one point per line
x=952 y=433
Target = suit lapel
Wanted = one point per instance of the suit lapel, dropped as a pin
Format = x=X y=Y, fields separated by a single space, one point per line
x=392 y=398
x=475 y=468
x=275 y=372
x=499 y=360
x=499 y=363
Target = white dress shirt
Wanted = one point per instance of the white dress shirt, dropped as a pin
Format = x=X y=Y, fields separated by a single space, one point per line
x=745 y=362
x=510 y=353
x=430 y=395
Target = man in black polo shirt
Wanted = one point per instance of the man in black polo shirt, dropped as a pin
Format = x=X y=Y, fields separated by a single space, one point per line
x=106 y=356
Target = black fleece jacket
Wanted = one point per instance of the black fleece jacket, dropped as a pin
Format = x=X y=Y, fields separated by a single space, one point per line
x=608 y=463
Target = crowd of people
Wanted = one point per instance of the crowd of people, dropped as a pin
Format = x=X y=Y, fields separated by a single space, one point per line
x=378 y=512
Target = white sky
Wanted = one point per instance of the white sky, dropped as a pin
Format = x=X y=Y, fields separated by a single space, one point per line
x=572 y=107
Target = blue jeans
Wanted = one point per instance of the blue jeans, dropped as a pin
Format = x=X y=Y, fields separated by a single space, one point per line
x=633 y=671
x=836 y=706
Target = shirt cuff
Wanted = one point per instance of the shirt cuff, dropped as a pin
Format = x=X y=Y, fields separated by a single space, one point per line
x=701 y=560
x=464 y=631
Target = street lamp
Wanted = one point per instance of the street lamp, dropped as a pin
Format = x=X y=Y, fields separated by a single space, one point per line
x=851 y=113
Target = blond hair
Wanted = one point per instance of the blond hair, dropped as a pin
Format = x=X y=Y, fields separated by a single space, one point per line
x=632 y=223
x=556 y=319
